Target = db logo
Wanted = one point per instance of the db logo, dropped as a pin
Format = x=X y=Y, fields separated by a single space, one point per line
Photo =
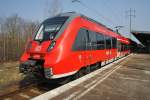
x=38 y=48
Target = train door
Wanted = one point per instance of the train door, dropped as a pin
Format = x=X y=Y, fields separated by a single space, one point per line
x=84 y=43
x=108 y=47
x=92 y=46
x=118 y=49
x=114 y=47
x=80 y=47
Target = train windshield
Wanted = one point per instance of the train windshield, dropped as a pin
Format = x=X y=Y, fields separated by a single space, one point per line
x=49 y=28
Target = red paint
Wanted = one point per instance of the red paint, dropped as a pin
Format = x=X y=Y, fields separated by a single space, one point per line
x=62 y=59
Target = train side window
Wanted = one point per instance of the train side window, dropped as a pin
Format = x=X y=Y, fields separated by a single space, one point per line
x=100 y=41
x=108 y=42
x=122 y=47
x=125 y=47
x=80 y=41
x=114 y=43
x=111 y=43
x=119 y=46
x=93 y=41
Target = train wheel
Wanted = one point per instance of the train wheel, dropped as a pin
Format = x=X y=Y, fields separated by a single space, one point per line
x=39 y=78
x=98 y=65
x=75 y=76
x=79 y=74
x=82 y=72
x=65 y=80
x=87 y=69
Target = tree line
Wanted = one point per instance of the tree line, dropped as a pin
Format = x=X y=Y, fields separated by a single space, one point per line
x=14 y=33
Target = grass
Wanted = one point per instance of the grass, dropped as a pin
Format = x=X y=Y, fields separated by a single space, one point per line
x=9 y=73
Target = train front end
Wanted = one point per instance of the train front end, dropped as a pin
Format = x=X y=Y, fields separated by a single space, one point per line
x=41 y=51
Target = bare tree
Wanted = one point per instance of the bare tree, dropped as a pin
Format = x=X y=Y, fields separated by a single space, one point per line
x=12 y=30
x=13 y=36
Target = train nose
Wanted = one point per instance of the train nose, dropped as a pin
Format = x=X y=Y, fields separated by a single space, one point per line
x=27 y=66
x=38 y=51
x=40 y=47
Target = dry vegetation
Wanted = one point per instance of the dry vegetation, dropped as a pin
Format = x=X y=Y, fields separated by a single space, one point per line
x=14 y=33
x=9 y=73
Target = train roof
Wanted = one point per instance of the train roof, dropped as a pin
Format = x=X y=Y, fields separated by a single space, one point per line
x=72 y=15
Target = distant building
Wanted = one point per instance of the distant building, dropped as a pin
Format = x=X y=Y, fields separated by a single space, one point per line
x=144 y=38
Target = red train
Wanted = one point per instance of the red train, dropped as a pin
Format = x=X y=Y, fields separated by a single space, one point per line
x=70 y=44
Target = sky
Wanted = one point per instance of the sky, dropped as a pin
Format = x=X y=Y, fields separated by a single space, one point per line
x=109 y=12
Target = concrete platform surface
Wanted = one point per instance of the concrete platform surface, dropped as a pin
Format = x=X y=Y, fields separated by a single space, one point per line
x=128 y=80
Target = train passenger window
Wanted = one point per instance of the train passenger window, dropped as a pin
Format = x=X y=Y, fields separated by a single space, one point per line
x=80 y=41
x=49 y=28
x=92 y=41
x=119 y=46
x=108 y=42
x=100 y=41
x=126 y=47
x=122 y=47
x=114 y=43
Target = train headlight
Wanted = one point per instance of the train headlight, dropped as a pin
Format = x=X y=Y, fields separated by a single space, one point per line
x=51 y=46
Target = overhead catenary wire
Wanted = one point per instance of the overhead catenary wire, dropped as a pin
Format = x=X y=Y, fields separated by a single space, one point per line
x=113 y=12
x=96 y=12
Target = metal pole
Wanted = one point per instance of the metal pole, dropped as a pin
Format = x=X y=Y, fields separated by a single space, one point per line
x=131 y=14
x=130 y=23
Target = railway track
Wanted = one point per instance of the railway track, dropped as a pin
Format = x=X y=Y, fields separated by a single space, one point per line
x=29 y=91
x=34 y=89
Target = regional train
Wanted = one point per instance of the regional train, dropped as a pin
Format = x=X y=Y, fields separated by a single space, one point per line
x=71 y=44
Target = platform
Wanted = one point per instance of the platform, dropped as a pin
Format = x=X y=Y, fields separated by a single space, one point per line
x=128 y=79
